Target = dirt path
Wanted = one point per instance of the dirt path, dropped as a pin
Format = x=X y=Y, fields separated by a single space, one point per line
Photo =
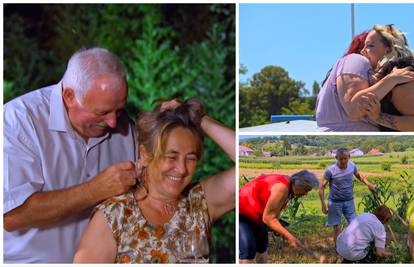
x=404 y=166
x=257 y=172
x=321 y=243
x=280 y=252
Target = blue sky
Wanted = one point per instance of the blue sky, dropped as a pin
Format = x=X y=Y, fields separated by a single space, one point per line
x=307 y=39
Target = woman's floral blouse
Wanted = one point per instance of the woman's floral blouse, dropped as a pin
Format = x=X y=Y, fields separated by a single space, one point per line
x=141 y=242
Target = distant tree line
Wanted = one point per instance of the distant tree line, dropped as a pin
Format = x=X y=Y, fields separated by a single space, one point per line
x=304 y=145
x=273 y=92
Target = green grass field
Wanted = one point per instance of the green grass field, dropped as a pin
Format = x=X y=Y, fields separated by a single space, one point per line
x=309 y=222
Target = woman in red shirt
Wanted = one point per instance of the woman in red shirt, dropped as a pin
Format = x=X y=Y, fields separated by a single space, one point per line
x=261 y=201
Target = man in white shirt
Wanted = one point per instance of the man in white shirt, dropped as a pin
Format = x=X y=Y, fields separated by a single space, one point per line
x=354 y=241
x=67 y=147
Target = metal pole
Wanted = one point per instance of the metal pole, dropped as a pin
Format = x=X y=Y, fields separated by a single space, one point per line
x=352 y=21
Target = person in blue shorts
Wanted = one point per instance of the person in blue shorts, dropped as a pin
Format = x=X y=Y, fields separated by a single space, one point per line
x=340 y=177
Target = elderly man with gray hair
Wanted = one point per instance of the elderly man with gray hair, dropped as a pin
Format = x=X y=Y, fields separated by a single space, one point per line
x=261 y=202
x=67 y=147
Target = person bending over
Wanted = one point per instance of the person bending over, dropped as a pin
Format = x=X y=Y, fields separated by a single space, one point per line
x=366 y=229
x=261 y=202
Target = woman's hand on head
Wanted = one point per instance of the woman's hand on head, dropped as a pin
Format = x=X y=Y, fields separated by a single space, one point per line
x=170 y=104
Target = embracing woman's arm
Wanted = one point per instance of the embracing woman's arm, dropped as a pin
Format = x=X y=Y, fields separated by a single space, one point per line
x=351 y=88
x=371 y=105
x=97 y=244
x=399 y=123
x=220 y=189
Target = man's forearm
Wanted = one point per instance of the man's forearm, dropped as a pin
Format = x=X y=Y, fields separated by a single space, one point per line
x=42 y=209
x=362 y=179
x=365 y=181
x=322 y=195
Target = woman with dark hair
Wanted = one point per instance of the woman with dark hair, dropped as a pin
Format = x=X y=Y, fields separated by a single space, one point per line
x=339 y=105
x=261 y=202
x=395 y=112
x=149 y=224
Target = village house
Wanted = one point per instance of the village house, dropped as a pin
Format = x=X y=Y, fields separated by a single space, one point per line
x=375 y=151
x=245 y=151
x=266 y=154
x=356 y=152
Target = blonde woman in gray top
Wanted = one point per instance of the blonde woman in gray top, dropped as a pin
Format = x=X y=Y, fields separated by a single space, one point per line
x=339 y=105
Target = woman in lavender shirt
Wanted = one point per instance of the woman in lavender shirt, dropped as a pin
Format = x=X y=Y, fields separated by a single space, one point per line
x=339 y=105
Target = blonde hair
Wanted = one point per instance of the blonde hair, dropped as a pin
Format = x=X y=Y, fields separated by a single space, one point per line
x=397 y=43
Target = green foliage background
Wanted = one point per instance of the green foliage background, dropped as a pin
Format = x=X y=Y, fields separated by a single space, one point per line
x=180 y=50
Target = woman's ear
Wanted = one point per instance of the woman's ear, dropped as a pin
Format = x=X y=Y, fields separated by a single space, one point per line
x=388 y=50
x=143 y=155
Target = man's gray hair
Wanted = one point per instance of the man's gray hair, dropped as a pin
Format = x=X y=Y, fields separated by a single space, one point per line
x=85 y=64
x=305 y=179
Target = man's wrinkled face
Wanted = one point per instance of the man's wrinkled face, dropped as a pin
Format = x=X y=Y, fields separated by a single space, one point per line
x=102 y=104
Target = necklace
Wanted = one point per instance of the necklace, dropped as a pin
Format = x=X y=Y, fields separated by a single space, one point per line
x=169 y=206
